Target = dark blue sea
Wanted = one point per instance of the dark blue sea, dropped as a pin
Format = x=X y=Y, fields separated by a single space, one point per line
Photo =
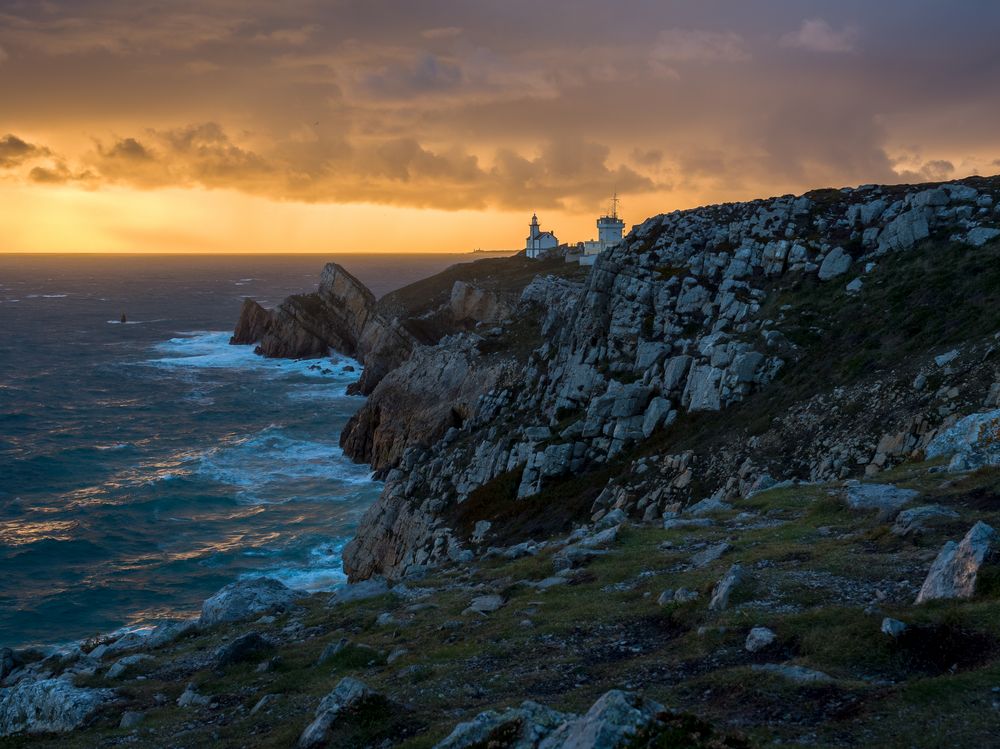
x=145 y=465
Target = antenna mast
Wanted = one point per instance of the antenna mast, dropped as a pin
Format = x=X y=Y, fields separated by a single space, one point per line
x=614 y=205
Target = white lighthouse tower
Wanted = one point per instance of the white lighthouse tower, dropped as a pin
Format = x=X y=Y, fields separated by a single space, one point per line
x=538 y=241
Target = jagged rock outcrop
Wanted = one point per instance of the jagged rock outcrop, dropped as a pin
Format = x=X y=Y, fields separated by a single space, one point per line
x=341 y=315
x=253 y=324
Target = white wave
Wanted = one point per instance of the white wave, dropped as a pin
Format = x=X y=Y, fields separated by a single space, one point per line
x=115 y=446
x=212 y=350
x=324 y=570
x=47 y=296
x=134 y=322
x=271 y=468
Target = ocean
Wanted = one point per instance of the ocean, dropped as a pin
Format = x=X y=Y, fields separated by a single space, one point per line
x=145 y=465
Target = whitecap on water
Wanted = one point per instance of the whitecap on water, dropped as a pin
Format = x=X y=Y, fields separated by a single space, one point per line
x=212 y=350
x=324 y=570
x=272 y=467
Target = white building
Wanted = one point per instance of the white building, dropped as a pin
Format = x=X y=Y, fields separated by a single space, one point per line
x=609 y=233
x=539 y=241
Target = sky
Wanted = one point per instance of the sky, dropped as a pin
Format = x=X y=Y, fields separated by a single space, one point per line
x=441 y=125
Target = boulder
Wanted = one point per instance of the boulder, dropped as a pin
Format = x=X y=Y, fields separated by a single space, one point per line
x=244 y=648
x=702 y=392
x=759 y=638
x=892 y=627
x=130 y=719
x=725 y=587
x=515 y=728
x=836 y=263
x=613 y=722
x=167 y=632
x=954 y=572
x=119 y=667
x=349 y=695
x=973 y=442
x=48 y=706
x=981 y=235
x=709 y=554
x=360 y=591
x=190 y=698
x=484 y=604
x=244 y=599
x=912 y=521
x=885 y=498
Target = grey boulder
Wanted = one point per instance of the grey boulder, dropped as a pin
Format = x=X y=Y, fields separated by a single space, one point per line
x=48 y=705
x=515 y=728
x=350 y=694
x=954 y=572
x=244 y=599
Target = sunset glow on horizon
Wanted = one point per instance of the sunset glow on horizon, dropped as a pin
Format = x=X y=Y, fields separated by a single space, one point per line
x=225 y=126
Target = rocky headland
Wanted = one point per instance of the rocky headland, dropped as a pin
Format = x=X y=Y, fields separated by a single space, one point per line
x=734 y=485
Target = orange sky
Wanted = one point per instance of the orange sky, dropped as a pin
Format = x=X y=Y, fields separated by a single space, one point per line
x=308 y=126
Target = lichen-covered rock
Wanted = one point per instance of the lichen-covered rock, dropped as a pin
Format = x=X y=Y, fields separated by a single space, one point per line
x=954 y=572
x=245 y=598
x=48 y=705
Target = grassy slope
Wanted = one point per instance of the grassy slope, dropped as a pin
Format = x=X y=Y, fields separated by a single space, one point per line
x=822 y=578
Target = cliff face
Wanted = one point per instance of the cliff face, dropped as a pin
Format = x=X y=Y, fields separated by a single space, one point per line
x=680 y=321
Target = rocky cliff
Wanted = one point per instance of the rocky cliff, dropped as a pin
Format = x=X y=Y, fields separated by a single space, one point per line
x=711 y=353
x=695 y=313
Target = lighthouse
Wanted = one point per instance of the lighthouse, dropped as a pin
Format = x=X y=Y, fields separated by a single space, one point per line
x=538 y=241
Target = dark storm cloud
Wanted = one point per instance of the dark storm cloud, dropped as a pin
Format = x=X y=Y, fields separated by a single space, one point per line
x=14 y=151
x=520 y=104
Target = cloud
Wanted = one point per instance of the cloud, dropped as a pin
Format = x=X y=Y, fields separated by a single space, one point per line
x=14 y=151
x=3 y=55
x=649 y=157
x=442 y=32
x=935 y=170
x=428 y=74
x=692 y=45
x=816 y=35
x=567 y=172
